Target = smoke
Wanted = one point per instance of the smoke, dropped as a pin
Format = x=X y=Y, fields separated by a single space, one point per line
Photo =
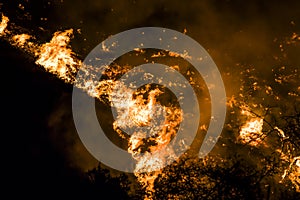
x=63 y=134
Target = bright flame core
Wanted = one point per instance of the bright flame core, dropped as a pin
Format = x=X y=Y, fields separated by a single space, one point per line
x=251 y=132
x=57 y=58
x=3 y=24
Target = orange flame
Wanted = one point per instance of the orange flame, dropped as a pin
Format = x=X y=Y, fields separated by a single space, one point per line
x=57 y=58
x=251 y=132
x=140 y=112
x=21 y=40
x=3 y=25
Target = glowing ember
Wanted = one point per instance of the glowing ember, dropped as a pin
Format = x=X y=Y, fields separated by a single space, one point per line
x=293 y=39
x=251 y=132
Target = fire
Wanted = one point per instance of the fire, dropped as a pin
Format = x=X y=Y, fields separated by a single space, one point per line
x=134 y=112
x=153 y=125
x=251 y=132
x=245 y=110
x=293 y=172
x=145 y=117
x=21 y=40
x=147 y=180
x=3 y=25
x=57 y=58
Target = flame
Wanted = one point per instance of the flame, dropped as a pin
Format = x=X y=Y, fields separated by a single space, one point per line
x=153 y=125
x=21 y=40
x=3 y=25
x=145 y=117
x=251 y=132
x=293 y=172
x=147 y=180
x=134 y=112
x=138 y=112
x=245 y=110
x=57 y=58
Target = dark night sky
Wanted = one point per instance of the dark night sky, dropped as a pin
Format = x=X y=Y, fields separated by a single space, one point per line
x=38 y=157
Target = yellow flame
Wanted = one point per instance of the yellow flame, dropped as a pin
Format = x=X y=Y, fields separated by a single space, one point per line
x=140 y=112
x=20 y=40
x=251 y=132
x=57 y=58
x=3 y=24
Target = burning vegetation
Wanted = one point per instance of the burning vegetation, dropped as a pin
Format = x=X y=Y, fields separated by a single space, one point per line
x=259 y=127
